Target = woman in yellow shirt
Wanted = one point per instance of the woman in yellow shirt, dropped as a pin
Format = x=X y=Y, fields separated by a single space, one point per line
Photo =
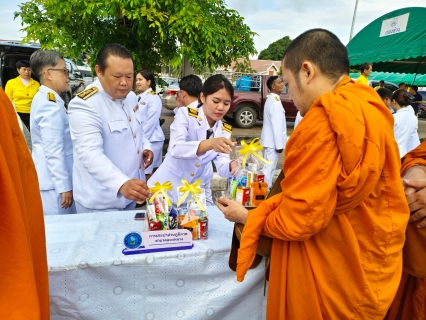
x=22 y=90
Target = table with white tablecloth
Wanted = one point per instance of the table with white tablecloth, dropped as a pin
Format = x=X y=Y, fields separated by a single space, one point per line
x=90 y=277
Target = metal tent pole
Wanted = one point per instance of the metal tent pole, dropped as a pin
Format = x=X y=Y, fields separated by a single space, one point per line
x=353 y=20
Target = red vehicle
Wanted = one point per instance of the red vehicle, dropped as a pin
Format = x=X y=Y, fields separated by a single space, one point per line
x=249 y=99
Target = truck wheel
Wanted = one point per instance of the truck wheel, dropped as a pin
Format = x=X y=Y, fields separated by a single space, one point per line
x=245 y=117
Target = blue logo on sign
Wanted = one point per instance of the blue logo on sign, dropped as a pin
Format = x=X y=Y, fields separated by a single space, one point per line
x=394 y=22
x=132 y=240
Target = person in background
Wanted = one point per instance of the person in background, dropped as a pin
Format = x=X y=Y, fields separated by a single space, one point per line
x=417 y=99
x=274 y=130
x=150 y=104
x=24 y=278
x=366 y=68
x=197 y=137
x=406 y=124
x=22 y=90
x=50 y=134
x=381 y=85
x=110 y=150
x=342 y=212
x=410 y=300
x=386 y=95
x=402 y=86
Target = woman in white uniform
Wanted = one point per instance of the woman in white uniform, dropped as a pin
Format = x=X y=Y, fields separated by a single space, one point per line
x=198 y=136
x=50 y=133
x=406 y=123
x=151 y=105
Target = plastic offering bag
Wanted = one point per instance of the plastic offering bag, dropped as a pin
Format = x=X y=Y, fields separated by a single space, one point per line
x=159 y=205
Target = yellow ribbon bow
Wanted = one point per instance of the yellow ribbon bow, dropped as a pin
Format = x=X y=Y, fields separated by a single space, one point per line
x=251 y=149
x=194 y=189
x=157 y=188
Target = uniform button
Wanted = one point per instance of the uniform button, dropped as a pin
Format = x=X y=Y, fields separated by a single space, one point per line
x=199 y=118
x=130 y=119
x=140 y=166
x=197 y=165
x=138 y=151
x=122 y=103
x=191 y=174
x=134 y=136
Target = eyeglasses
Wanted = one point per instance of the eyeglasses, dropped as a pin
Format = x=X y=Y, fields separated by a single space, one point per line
x=64 y=70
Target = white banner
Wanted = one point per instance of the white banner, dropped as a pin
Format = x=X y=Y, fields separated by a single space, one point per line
x=394 y=25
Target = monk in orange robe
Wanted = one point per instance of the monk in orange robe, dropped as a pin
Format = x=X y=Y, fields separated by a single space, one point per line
x=24 y=287
x=410 y=301
x=338 y=225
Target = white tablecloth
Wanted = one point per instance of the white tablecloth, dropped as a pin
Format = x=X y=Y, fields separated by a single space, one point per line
x=90 y=278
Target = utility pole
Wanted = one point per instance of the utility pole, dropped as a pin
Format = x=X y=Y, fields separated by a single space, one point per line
x=353 y=20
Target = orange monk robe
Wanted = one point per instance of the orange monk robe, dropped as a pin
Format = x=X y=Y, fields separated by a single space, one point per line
x=410 y=300
x=24 y=287
x=338 y=226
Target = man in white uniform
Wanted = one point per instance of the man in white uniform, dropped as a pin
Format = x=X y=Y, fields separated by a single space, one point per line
x=110 y=153
x=190 y=88
x=274 y=130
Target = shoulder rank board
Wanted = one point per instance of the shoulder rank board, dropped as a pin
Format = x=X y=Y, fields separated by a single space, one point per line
x=227 y=127
x=276 y=98
x=152 y=92
x=87 y=93
x=51 y=97
x=193 y=112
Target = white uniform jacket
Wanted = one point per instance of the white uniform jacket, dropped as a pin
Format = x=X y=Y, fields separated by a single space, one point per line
x=150 y=104
x=108 y=146
x=405 y=130
x=188 y=129
x=274 y=130
x=51 y=141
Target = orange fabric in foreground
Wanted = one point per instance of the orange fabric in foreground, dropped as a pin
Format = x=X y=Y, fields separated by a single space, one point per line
x=24 y=283
x=338 y=226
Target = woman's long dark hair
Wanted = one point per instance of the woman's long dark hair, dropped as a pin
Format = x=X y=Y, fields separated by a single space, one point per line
x=214 y=84
x=148 y=75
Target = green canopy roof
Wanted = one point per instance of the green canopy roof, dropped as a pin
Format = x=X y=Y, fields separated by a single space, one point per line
x=420 y=79
x=395 y=42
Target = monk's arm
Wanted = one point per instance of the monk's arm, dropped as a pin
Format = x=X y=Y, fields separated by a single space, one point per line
x=309 y=195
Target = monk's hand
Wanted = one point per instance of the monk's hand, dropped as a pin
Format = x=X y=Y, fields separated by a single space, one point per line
x=66 y=199
x=135 y=189
x=232 y=210
x=416 y=173
x=417 y=201
x=234 y=166
x=222 y=145
x=148 y=157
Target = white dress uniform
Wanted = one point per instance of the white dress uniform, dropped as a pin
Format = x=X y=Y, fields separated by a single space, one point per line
x=108 y=146
x=150 y=104
x=405 y=130
x=51 y=149
x=297 y=120
x=274 y=133
x=188 y=129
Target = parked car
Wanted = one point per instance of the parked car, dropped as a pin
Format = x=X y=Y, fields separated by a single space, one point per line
x=390 y=85
x=10 y=53
x=168 y=97
x=249 y=99
x=422 y=109
x=77 y=83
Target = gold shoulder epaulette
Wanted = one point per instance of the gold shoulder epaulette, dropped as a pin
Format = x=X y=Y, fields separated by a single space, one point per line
x=276 y=98
x=152 y=92
x=193 y=112
x=87 y=93
x=227 y=127
x=51 y=97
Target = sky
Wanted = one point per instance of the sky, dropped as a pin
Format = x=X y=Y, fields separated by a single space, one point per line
x=272 y=19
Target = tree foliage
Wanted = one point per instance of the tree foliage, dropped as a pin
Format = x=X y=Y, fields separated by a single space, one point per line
x=157 y=32
x=243 y=66
x=275 y=50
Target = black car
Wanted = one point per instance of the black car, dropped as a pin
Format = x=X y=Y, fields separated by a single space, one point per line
x=77 y=83
x=391 y=86
x=422 y=109
x=10 y=53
